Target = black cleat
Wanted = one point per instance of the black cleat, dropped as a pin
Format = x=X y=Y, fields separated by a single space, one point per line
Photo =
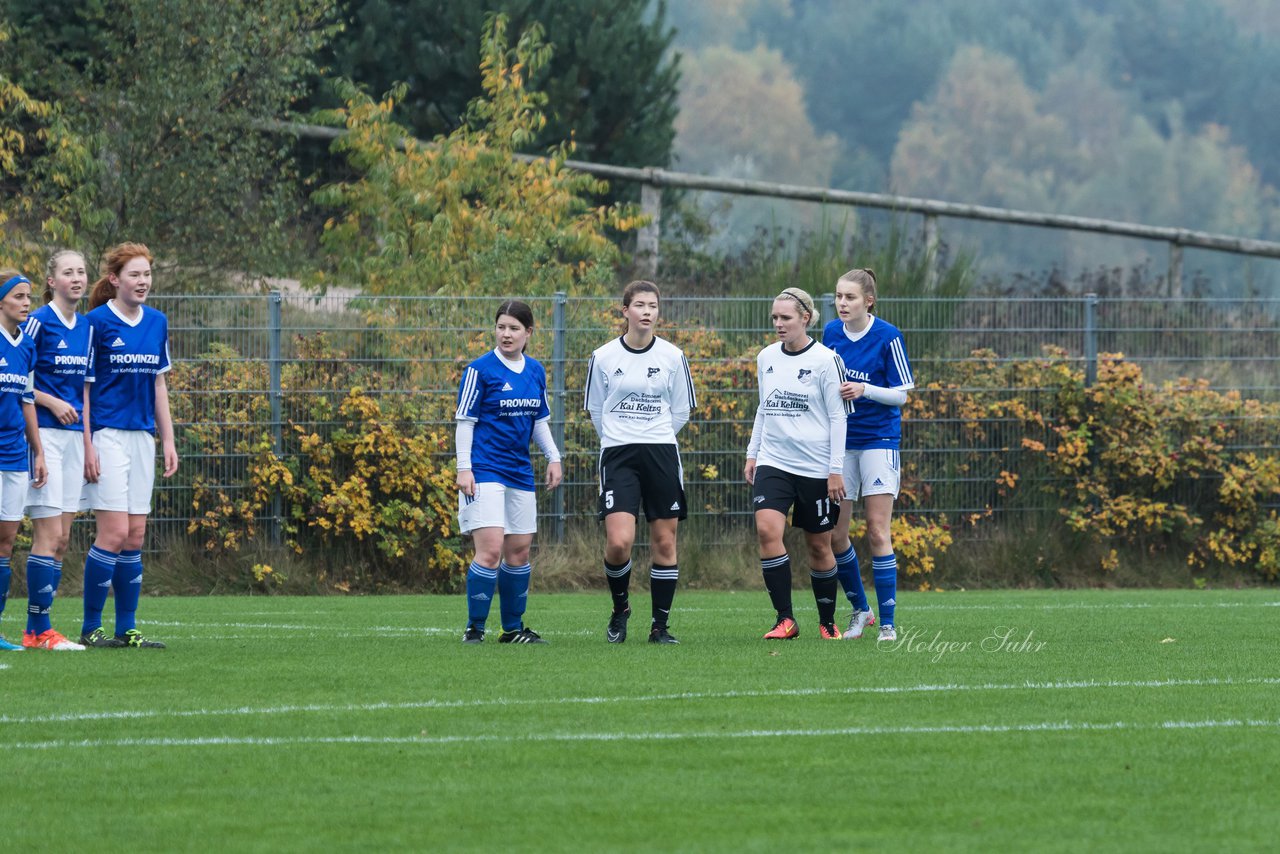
x=659 y=634
x=98 y=639
x=473 y=635
x=134 y=639
x=520 y=635
x=617 y=631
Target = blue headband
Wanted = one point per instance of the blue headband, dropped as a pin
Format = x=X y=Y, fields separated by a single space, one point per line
x=12 y=283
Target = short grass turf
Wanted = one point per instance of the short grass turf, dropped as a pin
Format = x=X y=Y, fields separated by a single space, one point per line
x=1046 y=721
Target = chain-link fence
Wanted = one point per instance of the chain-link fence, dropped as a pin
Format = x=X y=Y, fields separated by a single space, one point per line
x=277 y=355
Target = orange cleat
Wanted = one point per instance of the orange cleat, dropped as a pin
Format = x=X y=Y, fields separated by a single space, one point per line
x=784 y=629
x=48 y=640
x=828 y=631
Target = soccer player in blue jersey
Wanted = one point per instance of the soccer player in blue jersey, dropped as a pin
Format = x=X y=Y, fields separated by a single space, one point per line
x=502 y=406
x=127 y=405
x=61 y=340
x=21 y=457
x=795 y=460
x=878 y=377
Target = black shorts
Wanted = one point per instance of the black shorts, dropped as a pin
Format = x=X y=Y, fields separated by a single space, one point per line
x=780 y=490
x=632 y=475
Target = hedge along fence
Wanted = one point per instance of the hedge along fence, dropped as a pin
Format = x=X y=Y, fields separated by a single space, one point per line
x=317 y=423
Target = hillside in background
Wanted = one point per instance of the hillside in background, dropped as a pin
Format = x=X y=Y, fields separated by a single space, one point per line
x=1140 y=110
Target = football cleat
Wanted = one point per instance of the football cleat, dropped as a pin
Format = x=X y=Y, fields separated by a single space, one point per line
x=136 y=640
x=858 y=621
x=887 y=633
x=617 y=631
x=828 y=631
x=5 y=646
x=520 y=635
x=48 y=640
x=659 y=634
x=784 y=629
x=98 y=639
x=473 y=635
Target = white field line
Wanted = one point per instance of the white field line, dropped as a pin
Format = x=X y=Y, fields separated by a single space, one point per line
x=911 y=608
x=980 y=729
x=326 y=708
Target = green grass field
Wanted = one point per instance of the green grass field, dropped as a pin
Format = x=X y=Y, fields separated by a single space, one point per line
x=1006 y=721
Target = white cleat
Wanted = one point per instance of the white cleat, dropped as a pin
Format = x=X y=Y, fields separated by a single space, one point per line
x=887 y=633
x=858 y=621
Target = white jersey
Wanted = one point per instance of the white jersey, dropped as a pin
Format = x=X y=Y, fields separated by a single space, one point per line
x=638 y=397
x=801 y=420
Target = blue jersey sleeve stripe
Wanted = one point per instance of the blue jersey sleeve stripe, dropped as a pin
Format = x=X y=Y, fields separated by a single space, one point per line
x=900 y=361
x=467 y=396
x=32 y=327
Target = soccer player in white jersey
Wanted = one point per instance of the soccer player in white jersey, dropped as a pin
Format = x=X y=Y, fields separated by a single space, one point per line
x=502 y=405
x=795 y=460
x=639 y=394
x=127 y=404
x=21 y=457
x=877 y=376
x=61 y=339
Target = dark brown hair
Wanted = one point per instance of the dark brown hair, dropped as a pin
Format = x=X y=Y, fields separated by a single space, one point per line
x=518 y=311
x=639 y=286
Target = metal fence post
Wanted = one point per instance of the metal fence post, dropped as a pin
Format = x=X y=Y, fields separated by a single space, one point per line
x=828 y=310
x=1090 y=339
x=277 y=398
x=558 y=349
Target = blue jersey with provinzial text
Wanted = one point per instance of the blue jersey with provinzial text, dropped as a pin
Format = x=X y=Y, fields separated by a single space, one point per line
x=17 y=361
x=62 y=360
x=125 y=358
x=877 y=355
x=504 y=404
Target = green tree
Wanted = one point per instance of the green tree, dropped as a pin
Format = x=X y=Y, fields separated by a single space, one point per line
x=463 y=214
x=44 y=168
x=610 y=85
x=742 y=115
x=173 y=94
x=987 y=137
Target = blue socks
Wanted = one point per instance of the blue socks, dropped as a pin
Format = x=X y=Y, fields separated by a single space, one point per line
x=5 y=574
x=99 y=570
x=885 y=569
x=42 y=583
x=850 y=575
x=126 y=582
x=513 y=588
x=481 y=583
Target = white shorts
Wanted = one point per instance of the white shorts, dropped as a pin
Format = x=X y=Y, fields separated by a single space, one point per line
x=127 y=472
x=872 y=472
x=12 y=485
x=495 y=505
x=64 y=455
